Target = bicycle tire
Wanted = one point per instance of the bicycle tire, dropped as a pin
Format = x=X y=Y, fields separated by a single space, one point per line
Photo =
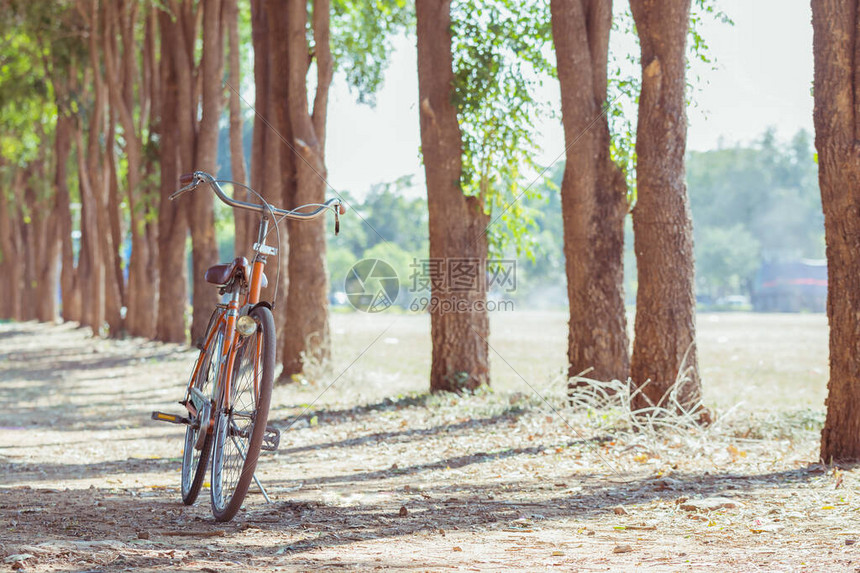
x=243 y=425
x=195 y=460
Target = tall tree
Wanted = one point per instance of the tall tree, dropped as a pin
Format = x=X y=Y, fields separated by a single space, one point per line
x=593 y=193
x=10 y=248
x=836 y=40
x=457 y=222
x=201 y=207
x=243 y=219
x=665 y=331
x=173 y=221
x=307 y=337
x=92 y=180
x=200 y=93
x=69 y=285
x=44 y=241
x=130 y=102
x=37 y=105
x=272 y=175
x=262 y=57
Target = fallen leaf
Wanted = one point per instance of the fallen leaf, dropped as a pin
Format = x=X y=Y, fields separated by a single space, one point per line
x=456 y=548
x=735 y=453
x=709 y=504
x=557 y=553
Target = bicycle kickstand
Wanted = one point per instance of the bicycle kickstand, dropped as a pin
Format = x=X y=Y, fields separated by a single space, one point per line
x=262 y=489
x=256 y=479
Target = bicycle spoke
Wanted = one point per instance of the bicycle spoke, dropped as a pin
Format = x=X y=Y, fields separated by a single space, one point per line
x=240 y=430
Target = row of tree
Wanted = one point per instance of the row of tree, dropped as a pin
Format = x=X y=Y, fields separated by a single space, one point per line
x=129 y=94
x=593 y=199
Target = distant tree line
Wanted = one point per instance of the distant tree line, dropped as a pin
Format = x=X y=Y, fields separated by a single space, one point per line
x=753 y=204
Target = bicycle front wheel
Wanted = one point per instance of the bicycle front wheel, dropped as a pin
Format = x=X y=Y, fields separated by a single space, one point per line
x=198 y=438
x=240 y=428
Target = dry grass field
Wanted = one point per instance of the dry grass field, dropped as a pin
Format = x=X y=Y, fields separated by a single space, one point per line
x=760 y=361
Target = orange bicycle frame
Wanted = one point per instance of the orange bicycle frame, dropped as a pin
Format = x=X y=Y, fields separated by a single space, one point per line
x=226 y=319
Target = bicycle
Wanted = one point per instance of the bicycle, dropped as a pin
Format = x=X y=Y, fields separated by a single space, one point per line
x=230 y=390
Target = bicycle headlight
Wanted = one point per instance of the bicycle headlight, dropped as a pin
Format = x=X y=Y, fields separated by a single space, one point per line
x=246 y=325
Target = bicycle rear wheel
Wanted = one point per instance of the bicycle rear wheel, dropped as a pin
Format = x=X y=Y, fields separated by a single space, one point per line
x=239 y=430
x=198 y=438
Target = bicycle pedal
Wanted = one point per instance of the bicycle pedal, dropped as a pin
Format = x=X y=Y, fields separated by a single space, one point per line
x=271 y=439
x=172 y=418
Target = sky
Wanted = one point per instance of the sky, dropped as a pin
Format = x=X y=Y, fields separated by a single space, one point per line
x=763 y=79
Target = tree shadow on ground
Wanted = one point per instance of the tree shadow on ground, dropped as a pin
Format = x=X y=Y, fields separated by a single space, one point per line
x=92 y=386
x=454 y=462
x=334 y=416
x=401 y=436
x=465 y=506
x=18 y=472
x=153 y=519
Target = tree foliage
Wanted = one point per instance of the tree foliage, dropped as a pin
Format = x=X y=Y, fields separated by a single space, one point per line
x=500 y=52
x=362 y=40
x=625 y=82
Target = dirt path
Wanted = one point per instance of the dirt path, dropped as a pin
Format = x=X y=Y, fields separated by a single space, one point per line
x=375 y=478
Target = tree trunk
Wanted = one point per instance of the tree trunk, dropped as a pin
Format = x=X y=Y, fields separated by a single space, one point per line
x=29 y=254
x=93 y=183
x=183 y=43
x=18 y=284
x=271 y=29
x=148 y=126
x=201 y=204
x=47 y=267
x=10 y=254
x=91 y=264
x=69 y=287
x=243 y=219
x=45 y=248
x=459 y=322
x=593 y=194
x=837 y=132
x=173 y=223
x=122 y=79
x=664 y=346
x=307 y=339
x=116 y=293
x=260 y=39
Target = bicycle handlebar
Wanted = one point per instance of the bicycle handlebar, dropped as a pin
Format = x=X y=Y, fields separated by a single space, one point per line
x=192 y=180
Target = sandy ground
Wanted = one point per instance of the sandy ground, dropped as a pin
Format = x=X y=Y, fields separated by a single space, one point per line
x=375 y=474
